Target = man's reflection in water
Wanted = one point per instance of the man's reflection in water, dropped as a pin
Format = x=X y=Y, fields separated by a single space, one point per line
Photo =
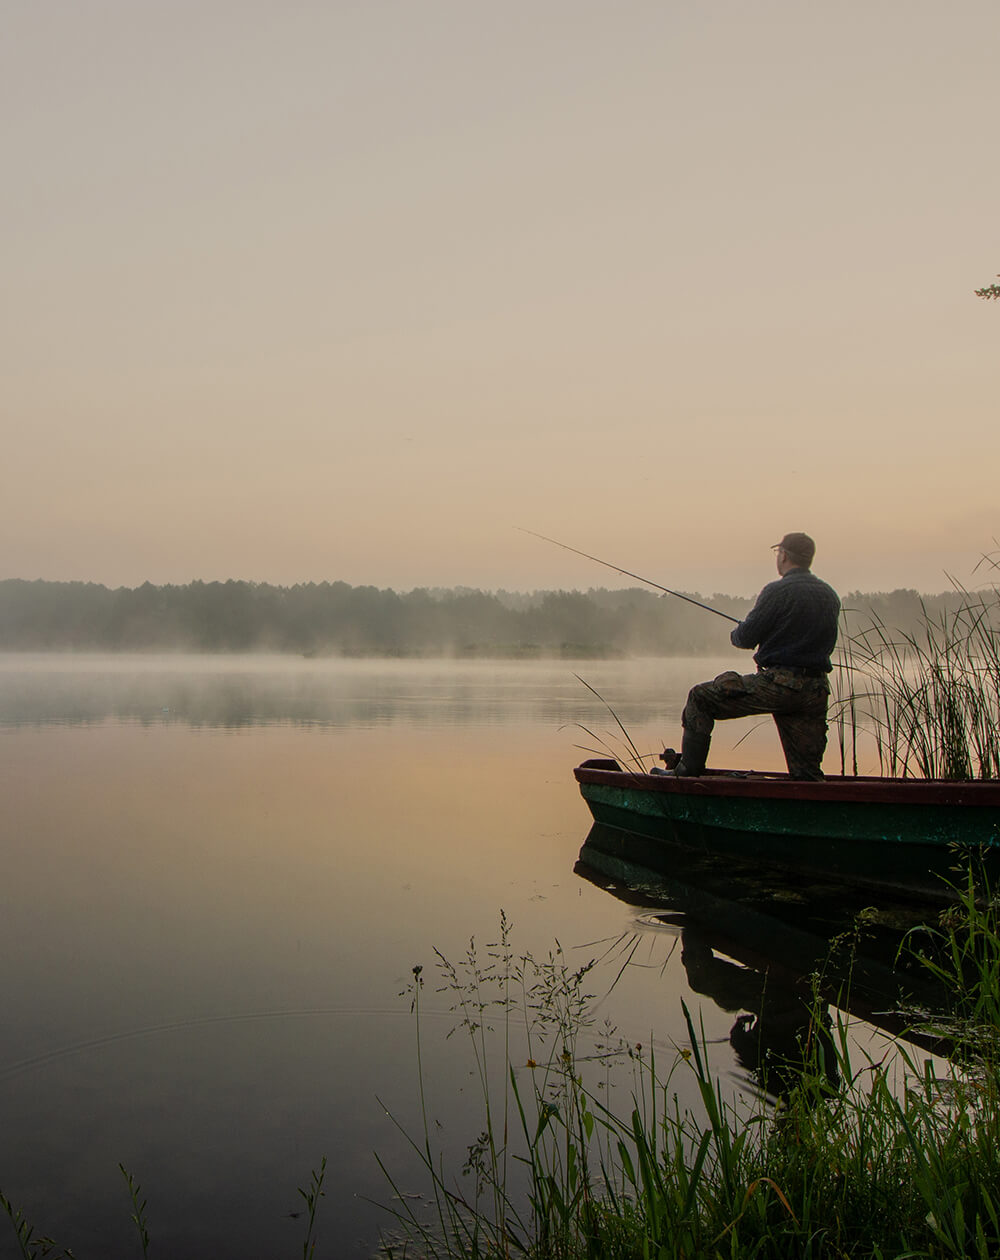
x=778 y=1032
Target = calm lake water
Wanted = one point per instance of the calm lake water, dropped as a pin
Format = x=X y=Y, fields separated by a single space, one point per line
x=218 y=874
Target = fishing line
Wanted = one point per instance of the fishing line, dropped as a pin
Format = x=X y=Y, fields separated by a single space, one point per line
x=627 y=573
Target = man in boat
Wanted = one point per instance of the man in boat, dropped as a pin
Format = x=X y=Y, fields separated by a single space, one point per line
x=793 y=625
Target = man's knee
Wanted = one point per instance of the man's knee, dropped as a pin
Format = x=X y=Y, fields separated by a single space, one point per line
x=697 y=715
x=697 y=694
x=724 y=696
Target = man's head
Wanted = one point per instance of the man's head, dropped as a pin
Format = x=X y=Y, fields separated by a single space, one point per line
x=795 y=551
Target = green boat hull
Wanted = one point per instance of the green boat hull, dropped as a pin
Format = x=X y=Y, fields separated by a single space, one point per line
x=906 y=836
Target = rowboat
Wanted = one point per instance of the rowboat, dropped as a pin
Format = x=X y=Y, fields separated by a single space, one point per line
x=911 y=836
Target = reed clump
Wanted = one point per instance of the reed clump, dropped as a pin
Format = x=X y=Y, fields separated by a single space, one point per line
x=929 y=698
x=587 y=1154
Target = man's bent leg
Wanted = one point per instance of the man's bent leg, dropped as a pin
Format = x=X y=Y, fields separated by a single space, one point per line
x=799 y=710
x=728 y=695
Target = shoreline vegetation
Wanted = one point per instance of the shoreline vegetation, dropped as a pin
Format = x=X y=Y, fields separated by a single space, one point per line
x=842 y=1154
x=334 y=619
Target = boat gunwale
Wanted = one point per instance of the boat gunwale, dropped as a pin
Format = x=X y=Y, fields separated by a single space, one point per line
x=835 y=789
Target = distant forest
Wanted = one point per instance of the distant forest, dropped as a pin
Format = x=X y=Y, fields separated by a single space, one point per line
x=335 y=619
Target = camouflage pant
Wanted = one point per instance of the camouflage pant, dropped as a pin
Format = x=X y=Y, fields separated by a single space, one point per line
x=798 y=705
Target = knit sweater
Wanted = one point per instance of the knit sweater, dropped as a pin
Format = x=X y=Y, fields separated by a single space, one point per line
x=793 y=623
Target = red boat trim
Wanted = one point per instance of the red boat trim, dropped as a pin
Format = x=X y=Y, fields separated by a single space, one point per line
x=835 y=788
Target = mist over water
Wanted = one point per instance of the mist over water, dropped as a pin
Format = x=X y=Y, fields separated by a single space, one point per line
x=219 y=873
x=233 y=691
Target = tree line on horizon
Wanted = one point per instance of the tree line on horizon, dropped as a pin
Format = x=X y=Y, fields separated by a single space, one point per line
x=336 y=619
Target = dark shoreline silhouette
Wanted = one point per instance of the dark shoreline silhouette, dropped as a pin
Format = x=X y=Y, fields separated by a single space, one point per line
x=336 y=619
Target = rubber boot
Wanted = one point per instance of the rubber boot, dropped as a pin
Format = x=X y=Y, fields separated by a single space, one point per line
x=694 y=754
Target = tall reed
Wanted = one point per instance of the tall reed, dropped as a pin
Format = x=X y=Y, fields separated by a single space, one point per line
x=931 y=698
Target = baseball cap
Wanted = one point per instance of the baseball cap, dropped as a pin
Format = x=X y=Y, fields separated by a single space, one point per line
x=801 y=546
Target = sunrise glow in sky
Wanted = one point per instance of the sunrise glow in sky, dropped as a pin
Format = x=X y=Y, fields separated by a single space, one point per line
x=350 y=290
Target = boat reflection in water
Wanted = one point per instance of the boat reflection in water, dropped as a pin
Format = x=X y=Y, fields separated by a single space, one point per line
x=777 y=952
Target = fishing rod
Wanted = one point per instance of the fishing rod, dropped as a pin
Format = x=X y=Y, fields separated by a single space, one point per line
x=627 y=573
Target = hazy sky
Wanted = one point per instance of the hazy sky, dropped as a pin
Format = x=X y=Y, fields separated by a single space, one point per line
x=299 y=291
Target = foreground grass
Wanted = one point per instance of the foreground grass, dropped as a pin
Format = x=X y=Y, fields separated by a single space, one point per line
x=872 y=1159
